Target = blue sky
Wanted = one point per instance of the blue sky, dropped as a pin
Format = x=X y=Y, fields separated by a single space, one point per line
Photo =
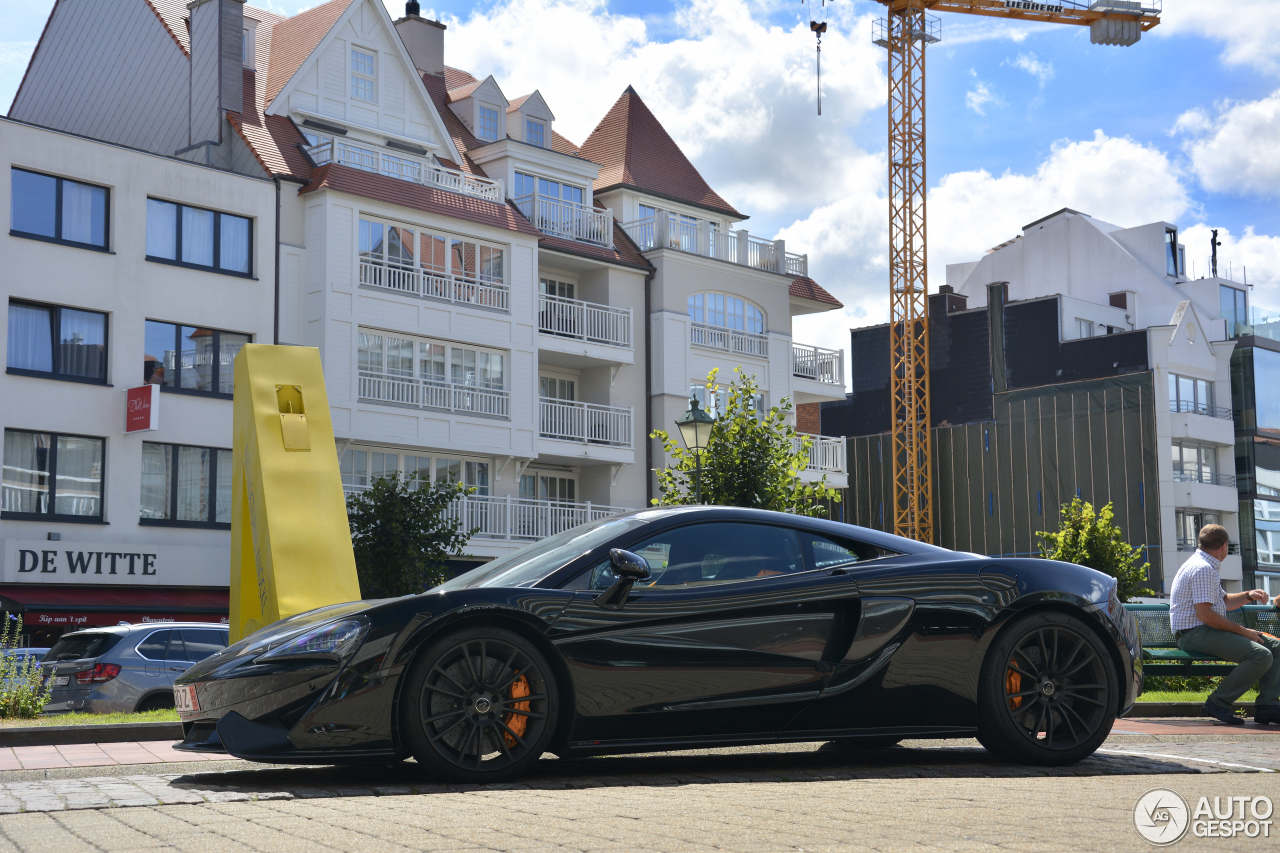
x=1023 y=119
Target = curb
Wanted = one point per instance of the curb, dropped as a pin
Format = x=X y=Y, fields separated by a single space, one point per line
x=113 y=733
x=1176 y=709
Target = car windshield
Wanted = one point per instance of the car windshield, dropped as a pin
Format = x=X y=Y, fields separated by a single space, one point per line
x=78 y=646
x=539 y=559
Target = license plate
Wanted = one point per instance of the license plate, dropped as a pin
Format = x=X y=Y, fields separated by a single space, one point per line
x=184 y=698
x=62 y=681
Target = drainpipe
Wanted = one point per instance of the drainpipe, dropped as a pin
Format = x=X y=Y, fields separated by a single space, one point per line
x=648 y=391
x=275 y=321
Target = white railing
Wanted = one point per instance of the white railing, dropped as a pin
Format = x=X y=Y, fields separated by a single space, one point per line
x=433 y=394
x=824 y=365
x=731 y=340
x=567 y=219
x=414 y=281
x=826 y=454
x=433 y=175
x=586 y=321
x=667 y=230
x=589 y=423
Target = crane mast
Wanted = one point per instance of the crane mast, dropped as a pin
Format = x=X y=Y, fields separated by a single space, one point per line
x=905 y=32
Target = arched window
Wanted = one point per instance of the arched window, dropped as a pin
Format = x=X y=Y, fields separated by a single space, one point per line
x=726 y=311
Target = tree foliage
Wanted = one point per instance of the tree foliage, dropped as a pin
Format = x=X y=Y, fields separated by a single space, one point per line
x=402 y=535
x=24 y=690
x=750 y=460
x=1092 y=538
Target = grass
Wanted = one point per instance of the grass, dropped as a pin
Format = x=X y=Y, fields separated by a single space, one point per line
x=1187 y=696
x=78 y=719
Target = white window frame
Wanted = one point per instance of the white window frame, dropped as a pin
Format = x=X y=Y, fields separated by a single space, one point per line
x=727 y=298
x=417 y=456
x=1201 y=456
x=450 y=240
x=362 y=77
x=542 y=129
x=450 y=350
x=539 y=475
x=481 y=110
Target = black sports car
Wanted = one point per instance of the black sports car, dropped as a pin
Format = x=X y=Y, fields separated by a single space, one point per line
x=687 y=627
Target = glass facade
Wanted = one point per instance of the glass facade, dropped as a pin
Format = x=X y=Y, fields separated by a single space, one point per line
x=1255 y=378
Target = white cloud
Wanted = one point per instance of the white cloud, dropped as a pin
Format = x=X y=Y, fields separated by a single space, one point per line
x=1248 y=29
x=980 y=96
x=1238 y=150
x=1041 y=70
x=1250 y=257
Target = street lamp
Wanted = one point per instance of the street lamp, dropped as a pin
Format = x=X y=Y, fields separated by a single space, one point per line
x=695 y=431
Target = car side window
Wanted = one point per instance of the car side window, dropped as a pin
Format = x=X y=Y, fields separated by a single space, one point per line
x=827 y=553
x=202 y=642
x=177 y=649
x=714 y=553
x=154 y=646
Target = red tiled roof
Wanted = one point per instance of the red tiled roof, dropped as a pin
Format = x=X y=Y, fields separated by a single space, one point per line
x=634 y=149
x=625 y=251
x=274 y=140
x=395 y=191
x=294 y=39
x=456 y=77
x=463 y=91
x=463 y=139
x=806 y=288
x=518 y=102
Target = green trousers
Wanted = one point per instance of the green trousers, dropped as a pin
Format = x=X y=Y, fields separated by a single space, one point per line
x=1257 y=663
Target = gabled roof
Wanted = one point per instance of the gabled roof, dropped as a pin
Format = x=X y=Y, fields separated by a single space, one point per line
x=276 y=142
x=634 y=150
x=806 y=288
x=294 y=39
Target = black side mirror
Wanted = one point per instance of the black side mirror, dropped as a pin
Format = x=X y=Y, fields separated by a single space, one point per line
x=627 y=568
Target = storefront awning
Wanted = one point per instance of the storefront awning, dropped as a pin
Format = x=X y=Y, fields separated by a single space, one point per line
x=85 y=607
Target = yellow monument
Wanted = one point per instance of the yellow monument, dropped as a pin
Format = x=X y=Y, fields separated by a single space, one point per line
x=290 y=541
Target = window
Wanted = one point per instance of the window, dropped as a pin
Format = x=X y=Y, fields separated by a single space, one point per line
x=200 y=238
x=202 y=642
x=1266 y=379
x=716 y=404
x=487 y=123
x=1194 y=463
x=165 y=644
x=363 y=75
x=58 y=342
x=719 y=309
x=191 y=359
x=1084 y=328
x=1187 y=394
x=432 y=374
x=827 y=553
x=1234 y=304
x=452 y=268
x=526 y=184
x=49 y=476
x=562 y=289
x=184 y=485
x=1173 y=253
x=1187 y=524
x=548 y=487
x=535 y=132
x=58 y=209
x=556 y=388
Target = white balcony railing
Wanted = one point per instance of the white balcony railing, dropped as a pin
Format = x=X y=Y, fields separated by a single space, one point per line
x=730 y=340
x=589 y=423
x=823 y=365
x=670 y=231
x=585 y=321
x=433 y=394
x=415 y=281
x=431 y=174
x=567 y=219
x=826 y=454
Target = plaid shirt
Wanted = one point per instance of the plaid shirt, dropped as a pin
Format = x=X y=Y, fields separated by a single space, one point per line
x=1197 y=582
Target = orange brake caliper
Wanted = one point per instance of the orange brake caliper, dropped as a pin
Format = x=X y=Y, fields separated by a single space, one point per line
x=1012 y=685
x=517 y=723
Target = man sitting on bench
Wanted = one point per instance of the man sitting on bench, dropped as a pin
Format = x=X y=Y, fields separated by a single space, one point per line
x=1198 y=608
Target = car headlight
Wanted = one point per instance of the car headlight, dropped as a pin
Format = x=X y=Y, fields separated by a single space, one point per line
x=331 y=640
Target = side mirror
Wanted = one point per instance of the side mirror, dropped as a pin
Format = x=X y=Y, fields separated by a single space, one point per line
x=627 y=568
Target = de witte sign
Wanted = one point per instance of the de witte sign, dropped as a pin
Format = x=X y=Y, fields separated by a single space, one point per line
x=142 y=408
x=42 y=562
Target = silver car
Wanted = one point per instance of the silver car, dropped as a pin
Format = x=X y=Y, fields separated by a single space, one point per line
x=126 y=667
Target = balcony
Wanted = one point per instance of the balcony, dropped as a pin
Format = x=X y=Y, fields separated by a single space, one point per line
x=666 y=230
x=433 y=394
x=584 y=321
x=1188 y=407
x=585 y=423
x=826 y=453
x=1182 y=544
x=409 y=280
x=729 y=340
x=567 y=219
x=430 y=175
x=1194 y=474
x=818 y=364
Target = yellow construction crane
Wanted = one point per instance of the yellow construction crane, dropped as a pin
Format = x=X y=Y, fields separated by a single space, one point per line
x=905 y=31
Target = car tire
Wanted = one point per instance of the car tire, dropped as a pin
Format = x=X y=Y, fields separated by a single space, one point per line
x=478 y=705
x=156 y=702
x=1048 y=693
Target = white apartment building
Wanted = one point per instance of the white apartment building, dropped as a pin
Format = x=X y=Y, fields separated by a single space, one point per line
x=121 y=268
x=1113 y=279
x=493 y=304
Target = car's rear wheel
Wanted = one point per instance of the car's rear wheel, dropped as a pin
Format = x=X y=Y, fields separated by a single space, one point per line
x=479 y=705
x=156 y=702
x=1048 y=693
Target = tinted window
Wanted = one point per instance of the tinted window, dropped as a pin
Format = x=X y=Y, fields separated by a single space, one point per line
x=829 y=553
x=155 y=645
x=77 y=646
x=80 y=218
x=202 y=642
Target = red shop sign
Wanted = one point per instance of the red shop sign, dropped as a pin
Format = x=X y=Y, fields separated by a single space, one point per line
x=142 y=408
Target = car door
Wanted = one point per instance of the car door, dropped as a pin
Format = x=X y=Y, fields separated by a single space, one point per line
x=731 y=634
x=154 y=651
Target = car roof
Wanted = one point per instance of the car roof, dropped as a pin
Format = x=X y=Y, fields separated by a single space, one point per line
x=139 y=626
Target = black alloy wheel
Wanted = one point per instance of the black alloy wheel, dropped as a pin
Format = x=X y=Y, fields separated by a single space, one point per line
x=1049 y=691
x=479 y=705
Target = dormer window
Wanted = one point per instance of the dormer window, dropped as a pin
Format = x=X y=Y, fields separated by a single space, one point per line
x=535 y=132
x=487 y=122
x=363 y=75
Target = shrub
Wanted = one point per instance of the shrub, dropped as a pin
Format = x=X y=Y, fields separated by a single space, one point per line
x=24 y=690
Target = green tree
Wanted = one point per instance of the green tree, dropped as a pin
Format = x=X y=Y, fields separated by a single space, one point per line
x=402 y=535
x=750 y=460
x=1092 y=538
x=24 y=690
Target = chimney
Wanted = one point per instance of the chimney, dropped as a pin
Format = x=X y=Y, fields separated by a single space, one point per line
x=216 y=67
x=423 y=39
x=946 y=300
x=997 y=296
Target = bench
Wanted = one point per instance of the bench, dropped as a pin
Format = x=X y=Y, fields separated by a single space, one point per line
x=1160 y=652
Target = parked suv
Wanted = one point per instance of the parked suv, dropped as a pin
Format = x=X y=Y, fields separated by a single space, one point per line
x=126 y=667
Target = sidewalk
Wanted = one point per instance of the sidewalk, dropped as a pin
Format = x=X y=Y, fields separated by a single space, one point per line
x=98 y=755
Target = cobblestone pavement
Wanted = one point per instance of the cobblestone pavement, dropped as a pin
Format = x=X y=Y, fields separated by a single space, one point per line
x=925 y=795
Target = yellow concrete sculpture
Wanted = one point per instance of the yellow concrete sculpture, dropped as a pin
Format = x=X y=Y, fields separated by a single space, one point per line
x=290 y=541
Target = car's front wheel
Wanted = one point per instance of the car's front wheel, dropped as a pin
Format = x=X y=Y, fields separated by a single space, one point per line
x=478 y=705
x=1049 y=691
